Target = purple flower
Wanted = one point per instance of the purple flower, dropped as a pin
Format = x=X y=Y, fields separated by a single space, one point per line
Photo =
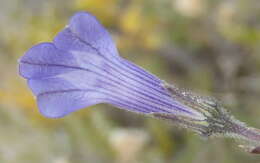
x=81 y=67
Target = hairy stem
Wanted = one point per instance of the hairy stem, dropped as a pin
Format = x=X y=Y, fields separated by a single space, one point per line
x=217 y=121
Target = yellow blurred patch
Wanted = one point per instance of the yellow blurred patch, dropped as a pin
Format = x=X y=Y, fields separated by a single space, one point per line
x=131 y=20
x=152 y=41
x=106 y=10
x=16 y=95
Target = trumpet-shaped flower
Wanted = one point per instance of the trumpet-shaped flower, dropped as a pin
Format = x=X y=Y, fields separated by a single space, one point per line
x=81 y=67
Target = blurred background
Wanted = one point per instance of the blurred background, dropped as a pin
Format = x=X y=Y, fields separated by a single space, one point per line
x=209 y=46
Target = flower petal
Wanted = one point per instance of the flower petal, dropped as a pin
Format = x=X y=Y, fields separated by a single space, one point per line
x=60 y=103
x=85 y=29
x=37 y=61
x=82 y=68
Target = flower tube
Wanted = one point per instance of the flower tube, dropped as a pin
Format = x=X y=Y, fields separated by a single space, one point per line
x=81 y=67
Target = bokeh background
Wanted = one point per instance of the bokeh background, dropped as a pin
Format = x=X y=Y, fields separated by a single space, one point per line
x=209 y=46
